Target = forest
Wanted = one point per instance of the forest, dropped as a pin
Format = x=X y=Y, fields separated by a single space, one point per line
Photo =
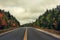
x=7 y=20
x=50 y=19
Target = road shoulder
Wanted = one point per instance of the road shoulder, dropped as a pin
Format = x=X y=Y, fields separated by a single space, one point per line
x=48 y=33
x=8 y=31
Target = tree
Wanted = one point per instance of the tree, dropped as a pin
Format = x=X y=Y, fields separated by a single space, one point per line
x=50 y=19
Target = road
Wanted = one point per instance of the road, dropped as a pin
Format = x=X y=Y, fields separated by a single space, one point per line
x=32 y=34
x=17 y=34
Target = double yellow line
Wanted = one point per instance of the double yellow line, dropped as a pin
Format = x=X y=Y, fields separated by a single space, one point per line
x=25 y=35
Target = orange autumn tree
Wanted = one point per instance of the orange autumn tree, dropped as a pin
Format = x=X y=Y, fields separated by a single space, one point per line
x=7 y=20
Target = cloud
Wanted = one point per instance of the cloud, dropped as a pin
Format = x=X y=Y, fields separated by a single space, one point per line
x=27 y=10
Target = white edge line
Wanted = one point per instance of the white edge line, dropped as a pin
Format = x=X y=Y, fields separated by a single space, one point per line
x=8 y=31
x=48 y=33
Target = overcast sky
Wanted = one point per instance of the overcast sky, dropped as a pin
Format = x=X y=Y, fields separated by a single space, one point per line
x=27 y=11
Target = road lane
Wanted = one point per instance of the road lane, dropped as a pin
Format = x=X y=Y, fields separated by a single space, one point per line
x=34 y=34
x=18 y=34
x=30 y=34
x=25 y=35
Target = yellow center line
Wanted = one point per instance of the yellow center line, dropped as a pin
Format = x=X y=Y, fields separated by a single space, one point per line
x=25 y=35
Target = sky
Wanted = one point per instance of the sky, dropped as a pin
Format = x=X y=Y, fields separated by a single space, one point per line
x=27 y=11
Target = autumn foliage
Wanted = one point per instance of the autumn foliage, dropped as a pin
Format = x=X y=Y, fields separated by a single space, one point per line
x=7 y=20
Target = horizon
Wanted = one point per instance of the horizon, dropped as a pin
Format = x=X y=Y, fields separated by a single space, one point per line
x=27 y=11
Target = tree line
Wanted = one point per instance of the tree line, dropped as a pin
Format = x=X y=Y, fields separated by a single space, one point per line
x=50 y=19
x=7 y=20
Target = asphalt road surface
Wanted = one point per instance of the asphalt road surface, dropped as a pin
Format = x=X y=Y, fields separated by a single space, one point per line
x=17 y=34
x=32 y=34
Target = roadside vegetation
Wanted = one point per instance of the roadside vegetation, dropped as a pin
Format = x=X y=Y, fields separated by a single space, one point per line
x=50 y=19
x=7 y=21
